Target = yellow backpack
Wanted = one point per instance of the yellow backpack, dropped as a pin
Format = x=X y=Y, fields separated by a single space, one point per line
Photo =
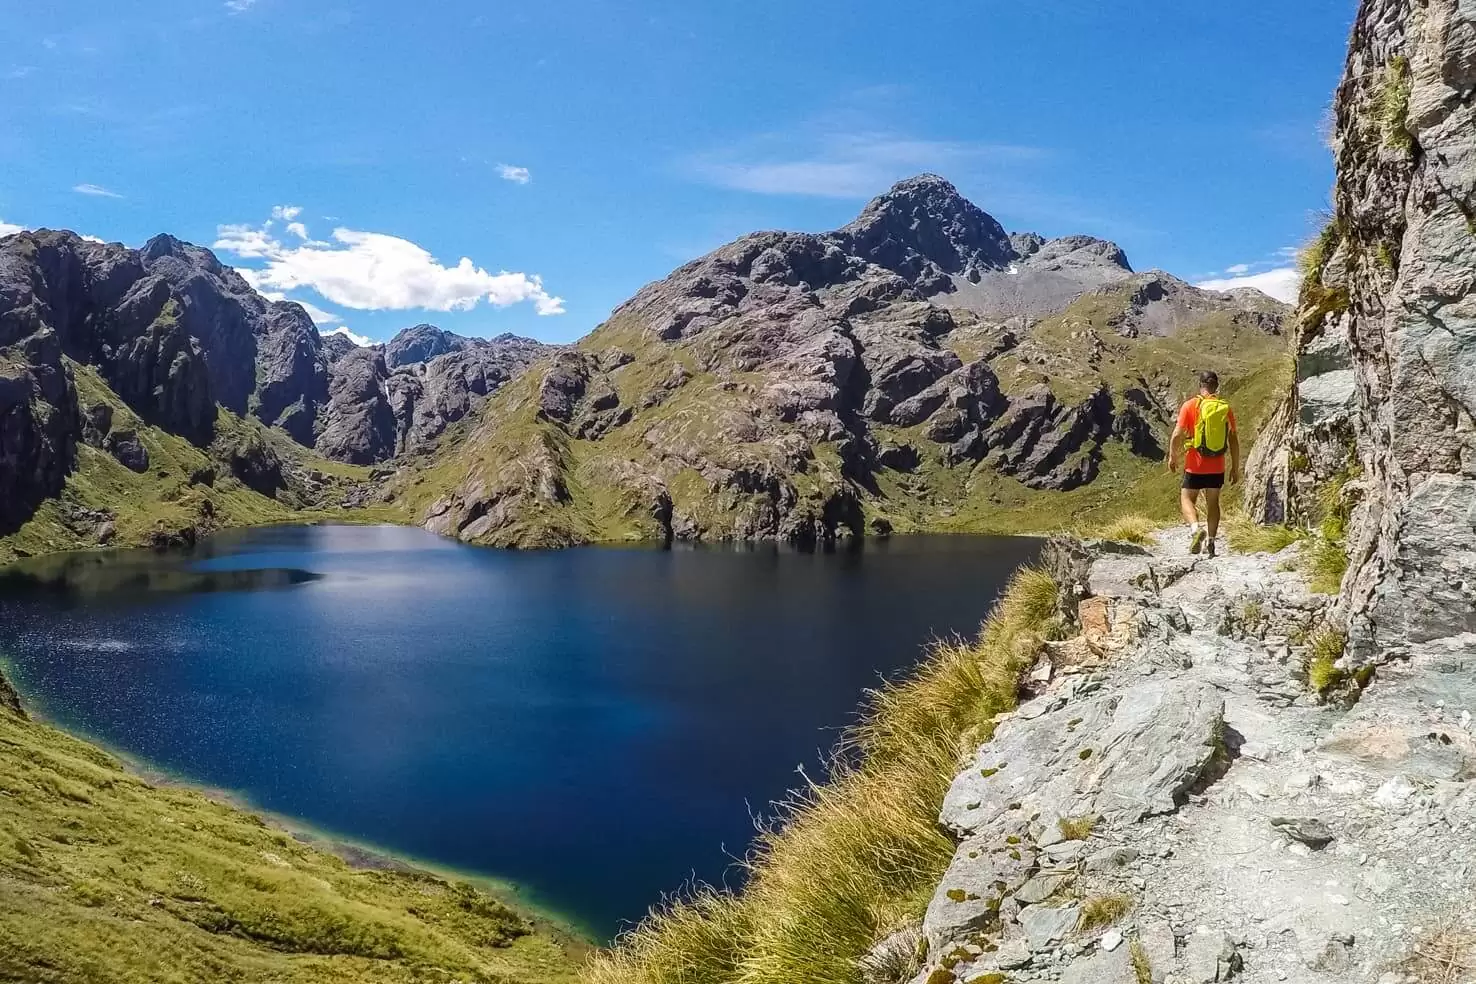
x=1212 y=432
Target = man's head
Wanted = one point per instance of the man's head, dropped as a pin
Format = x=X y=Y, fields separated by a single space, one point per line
x=1209 y=382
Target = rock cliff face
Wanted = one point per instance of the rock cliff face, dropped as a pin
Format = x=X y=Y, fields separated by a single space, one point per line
x=175 y=334
x=1386 y=393
x=402 y=399
x=916 y=365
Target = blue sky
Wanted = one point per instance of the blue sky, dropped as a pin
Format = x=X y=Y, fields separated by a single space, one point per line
x=574 y=150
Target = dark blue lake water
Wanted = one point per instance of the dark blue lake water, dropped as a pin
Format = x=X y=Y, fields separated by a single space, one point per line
x=595 y=725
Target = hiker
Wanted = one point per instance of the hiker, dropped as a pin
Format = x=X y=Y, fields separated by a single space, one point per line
x=1206 y=432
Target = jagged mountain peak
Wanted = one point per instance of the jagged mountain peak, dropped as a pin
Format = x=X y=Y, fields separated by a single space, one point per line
x=926 y=231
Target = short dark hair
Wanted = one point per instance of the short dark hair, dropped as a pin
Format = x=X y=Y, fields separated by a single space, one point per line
x=1209 y=381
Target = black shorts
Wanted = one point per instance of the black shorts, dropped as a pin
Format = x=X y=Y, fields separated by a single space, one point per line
x=1195 y=481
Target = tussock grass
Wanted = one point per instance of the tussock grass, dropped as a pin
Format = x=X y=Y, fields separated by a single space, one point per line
x=687 y=941
x=1325 y=562
x=1103 y=910
x=1129 y=528
x=1391 y=108
x=1076 y=828
x=1142 y=966
x=1325 y=649
x=1446 y=955
x=849 y=861
x=1247 y=536
x=1313 y=257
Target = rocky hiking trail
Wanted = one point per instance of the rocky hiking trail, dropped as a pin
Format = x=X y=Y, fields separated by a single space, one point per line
x=1176 y=805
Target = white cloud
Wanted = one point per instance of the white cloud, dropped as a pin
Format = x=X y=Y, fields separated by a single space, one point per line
x=239 y=6
x=286 y=212
x=94 y=239
x=97 y=191
x=297 y=229
x=1238 y=270
x=373 y=271
x=517 y=175
x=845 y=165
x=6 y=229
x=360 y=340
x=1282 y=283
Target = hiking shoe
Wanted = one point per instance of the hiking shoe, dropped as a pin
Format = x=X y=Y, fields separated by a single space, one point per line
x=1196 y=541
x=1209 y=549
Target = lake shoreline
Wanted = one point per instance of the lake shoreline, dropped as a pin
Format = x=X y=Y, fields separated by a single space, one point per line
x=355 y=853
x=474 y=706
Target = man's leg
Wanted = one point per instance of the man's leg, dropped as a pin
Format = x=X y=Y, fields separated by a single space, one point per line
x=1189 y=505
x=1212 y=511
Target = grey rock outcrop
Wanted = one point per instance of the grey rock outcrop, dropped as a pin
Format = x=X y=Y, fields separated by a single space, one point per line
x=38 y=422
x=359 y=426
x=1232 y=823
x=1386 y=381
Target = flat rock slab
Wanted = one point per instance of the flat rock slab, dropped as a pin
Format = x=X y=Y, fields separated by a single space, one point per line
x=1046 y=926
x=1123 y=756
x=1115 y=967
x=968 y=898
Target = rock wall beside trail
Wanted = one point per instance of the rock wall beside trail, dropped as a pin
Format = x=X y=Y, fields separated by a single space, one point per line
x=1386 y=389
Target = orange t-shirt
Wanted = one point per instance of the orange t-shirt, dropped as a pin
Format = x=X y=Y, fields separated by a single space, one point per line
x=1194 y=462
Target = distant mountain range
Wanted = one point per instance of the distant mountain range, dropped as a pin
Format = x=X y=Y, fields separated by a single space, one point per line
x=919 y=368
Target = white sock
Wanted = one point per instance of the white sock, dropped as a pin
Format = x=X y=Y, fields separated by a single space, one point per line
x=1193 y=528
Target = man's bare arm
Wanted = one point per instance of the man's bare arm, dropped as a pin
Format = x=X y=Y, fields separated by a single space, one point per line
x=1175 y=443
x=1234 y=458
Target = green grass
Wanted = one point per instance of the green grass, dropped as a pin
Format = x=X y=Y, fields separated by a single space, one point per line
x=1391 y=109
x=851 y=860
x=1325 y=558
x=1325 y=648
x=1128 y=528
x=1246 y=536
x=106 y=878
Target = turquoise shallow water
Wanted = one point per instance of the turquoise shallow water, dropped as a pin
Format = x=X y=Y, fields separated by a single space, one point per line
x=596 y=725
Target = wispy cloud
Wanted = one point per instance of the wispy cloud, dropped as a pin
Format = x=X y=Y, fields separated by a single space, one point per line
x=20 y=72
x=239 y=6
x=97 y=191
x=7 y=229
x=374 y=271
x=1238 y=270
x=845 y=165
x=286 y=212
x=517 y=175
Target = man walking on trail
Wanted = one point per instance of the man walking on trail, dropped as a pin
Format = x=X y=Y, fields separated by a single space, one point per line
x=1206 y=432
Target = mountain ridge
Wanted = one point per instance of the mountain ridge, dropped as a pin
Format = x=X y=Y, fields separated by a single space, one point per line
x=785 y=387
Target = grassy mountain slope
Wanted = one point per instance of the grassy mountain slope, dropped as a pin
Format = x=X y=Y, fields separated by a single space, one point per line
x=183 y=488
x=677 y=452
x=106 y=878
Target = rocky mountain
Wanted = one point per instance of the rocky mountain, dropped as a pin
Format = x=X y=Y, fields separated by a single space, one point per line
x=919 y=368
x=401 y=399
x=174 y=338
